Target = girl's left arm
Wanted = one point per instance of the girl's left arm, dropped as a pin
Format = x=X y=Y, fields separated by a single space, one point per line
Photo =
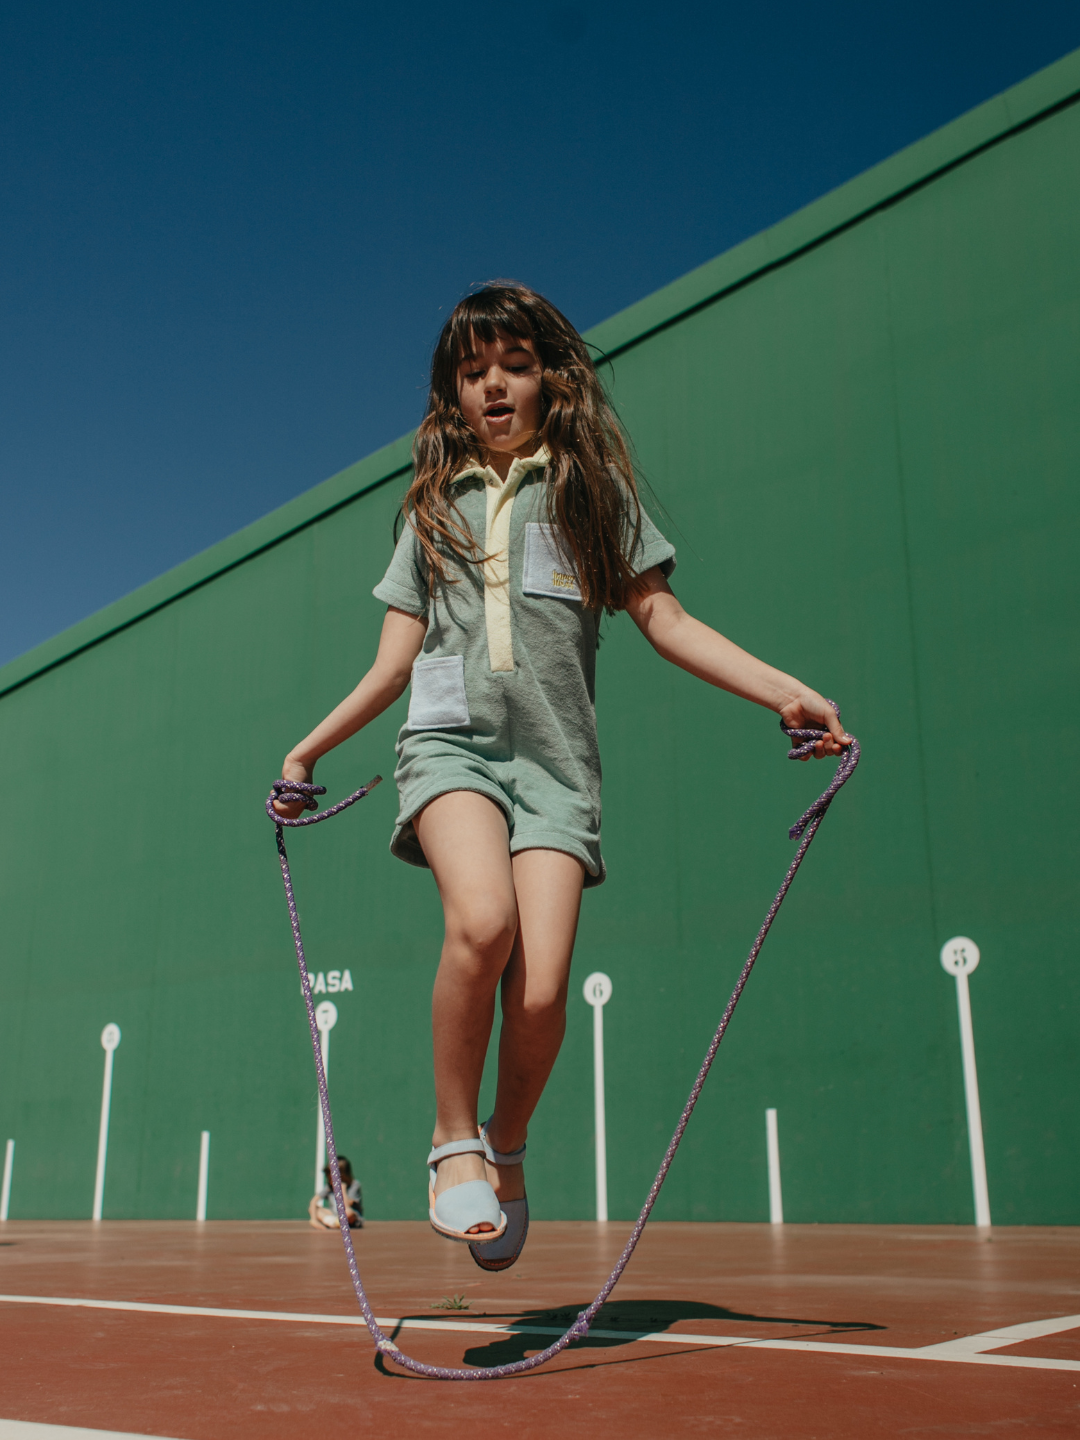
x=692 y=646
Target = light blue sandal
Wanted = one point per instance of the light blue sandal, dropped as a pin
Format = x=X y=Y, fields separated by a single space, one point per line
x=505 y=1251
x=458 y=1209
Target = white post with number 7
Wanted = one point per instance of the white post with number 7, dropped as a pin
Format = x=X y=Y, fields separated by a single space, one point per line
x=959 y=957
x=597 y=991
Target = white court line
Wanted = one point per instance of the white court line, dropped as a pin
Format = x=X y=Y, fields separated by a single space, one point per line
x=965 y=1350
x=31 y=1430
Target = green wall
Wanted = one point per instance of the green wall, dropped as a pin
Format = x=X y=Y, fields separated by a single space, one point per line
x=861 y=430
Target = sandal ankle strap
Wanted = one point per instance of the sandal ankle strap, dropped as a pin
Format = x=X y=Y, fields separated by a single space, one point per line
x=496 y=1157
x=456 y=1147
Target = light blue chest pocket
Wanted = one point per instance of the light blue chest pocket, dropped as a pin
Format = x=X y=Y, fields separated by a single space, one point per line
x=547 y=570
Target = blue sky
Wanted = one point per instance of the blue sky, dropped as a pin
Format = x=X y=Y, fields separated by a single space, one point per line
x=232 y=231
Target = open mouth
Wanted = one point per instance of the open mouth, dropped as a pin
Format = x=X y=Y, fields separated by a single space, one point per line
x=498 y=412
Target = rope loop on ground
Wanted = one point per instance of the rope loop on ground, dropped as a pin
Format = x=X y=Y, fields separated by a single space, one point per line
x=297 y=792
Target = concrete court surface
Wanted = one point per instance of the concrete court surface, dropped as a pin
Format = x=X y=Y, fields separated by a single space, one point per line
x=757 y=1331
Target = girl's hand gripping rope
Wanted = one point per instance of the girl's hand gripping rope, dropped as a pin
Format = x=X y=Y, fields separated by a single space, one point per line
x=811 y=740
x=293 y=771
x=811 y=711
x=289 y=798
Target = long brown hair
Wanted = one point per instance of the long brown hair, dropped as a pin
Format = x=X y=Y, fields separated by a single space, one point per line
x=592 y=496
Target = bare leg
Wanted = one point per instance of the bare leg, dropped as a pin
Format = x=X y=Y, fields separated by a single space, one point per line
x=548 y=886
x=466 y=843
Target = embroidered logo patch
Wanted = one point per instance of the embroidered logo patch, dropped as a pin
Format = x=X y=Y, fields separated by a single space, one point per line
x=563 y=582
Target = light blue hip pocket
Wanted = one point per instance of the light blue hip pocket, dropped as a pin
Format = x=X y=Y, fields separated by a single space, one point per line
x=438 y=699
x=547 y=570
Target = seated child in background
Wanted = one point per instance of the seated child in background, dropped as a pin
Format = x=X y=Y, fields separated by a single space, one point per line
x=322 y=1209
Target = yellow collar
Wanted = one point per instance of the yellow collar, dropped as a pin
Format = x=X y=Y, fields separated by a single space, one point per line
x=519 y=468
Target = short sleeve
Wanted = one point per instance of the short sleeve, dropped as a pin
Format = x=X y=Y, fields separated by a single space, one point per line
x=405 y=583
x=652 y=549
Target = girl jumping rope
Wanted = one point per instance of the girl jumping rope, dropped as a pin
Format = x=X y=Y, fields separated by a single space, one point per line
x=521 y=526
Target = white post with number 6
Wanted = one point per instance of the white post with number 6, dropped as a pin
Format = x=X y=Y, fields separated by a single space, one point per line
x=597 y=991
x=959 y=957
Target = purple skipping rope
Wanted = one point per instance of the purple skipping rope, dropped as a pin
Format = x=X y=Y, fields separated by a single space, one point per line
x=804 y=830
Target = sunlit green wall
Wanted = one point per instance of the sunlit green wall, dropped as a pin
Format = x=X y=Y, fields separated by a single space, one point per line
x=867 y=457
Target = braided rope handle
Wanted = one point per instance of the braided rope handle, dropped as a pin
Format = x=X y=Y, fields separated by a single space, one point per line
x=293 y=792
x=808 y=737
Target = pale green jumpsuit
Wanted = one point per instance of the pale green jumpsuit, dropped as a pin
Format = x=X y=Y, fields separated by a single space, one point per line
x=503 y=692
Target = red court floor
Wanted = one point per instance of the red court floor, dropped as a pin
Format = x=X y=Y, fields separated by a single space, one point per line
x=757 y=1331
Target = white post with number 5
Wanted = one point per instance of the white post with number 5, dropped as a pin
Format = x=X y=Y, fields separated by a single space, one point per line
x=597 y=991
x=959 y=957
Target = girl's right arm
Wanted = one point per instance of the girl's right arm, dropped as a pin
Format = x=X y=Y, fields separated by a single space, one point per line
x=400 y=643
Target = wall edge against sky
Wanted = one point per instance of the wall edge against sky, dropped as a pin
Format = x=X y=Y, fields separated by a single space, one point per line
x=890 y=180
x=348 y=485
x=1031 y=100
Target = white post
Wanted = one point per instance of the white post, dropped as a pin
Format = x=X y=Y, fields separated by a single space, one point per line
x=5 y=1189
x=204 y=1175
x=110 y=1039
x=959 y=957
x=597 y=991
x=772 y=1151
x=326 y=1019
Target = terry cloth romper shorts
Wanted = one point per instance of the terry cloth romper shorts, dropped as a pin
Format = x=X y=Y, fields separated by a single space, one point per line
x=503 y=692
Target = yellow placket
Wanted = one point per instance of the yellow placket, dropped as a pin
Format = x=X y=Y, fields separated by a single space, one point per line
x=500 y=502
x=496 y=570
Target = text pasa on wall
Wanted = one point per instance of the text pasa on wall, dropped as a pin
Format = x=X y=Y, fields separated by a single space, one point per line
x=331 y=983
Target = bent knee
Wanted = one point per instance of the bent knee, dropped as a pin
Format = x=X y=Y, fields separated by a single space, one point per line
x=539 y=1005
x=484 y=931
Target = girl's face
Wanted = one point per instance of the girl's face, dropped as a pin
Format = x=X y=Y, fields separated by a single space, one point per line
x=499 y=392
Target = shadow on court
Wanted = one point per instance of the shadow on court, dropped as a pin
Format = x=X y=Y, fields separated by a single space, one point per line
x=633 y=1316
